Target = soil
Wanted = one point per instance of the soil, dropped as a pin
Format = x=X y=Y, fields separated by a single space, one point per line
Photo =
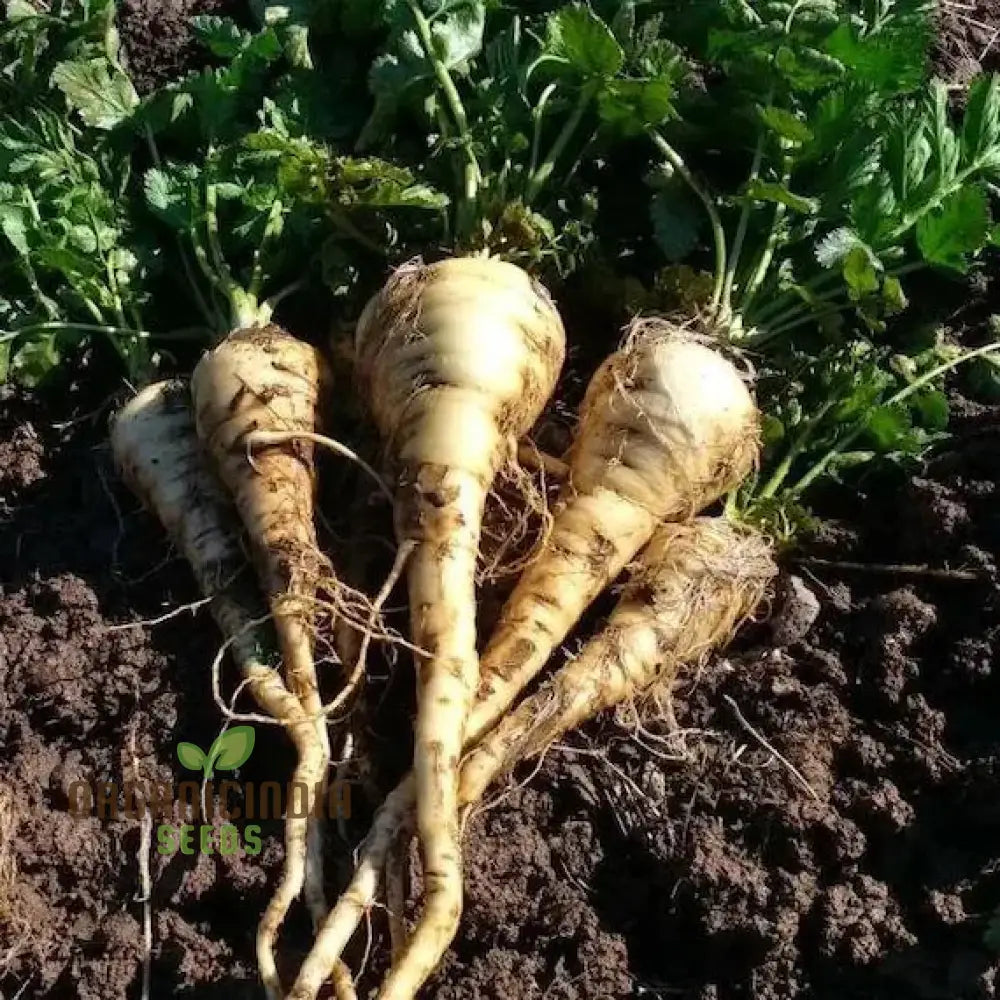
x=156 y=37
x=969 y=39
x=818 y=817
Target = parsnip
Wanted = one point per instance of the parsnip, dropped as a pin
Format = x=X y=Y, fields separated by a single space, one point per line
x=256 y=399
x=457 y=360
x=693 y=585
x=159 y=457
x=666 y=427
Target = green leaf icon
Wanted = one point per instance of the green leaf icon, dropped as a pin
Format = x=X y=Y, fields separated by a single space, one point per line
x=232 y=748
x=192 y=757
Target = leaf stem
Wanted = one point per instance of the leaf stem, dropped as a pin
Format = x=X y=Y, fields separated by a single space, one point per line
x=544 y=172
x=200 y=301
x=718 y=233
x=780 y=473
x=537 y=114
x=472 y=174
x=214 y=242
x=742 y=228
x=767 y=255
x=778 y=304
x=272 y=228
x=798 y=315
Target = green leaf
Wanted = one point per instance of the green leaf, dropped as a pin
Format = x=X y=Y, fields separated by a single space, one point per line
x=806 y=68
x=772 y=430
x=835 y=246
x=191 y=756
x=13 y=225
x=786 y=125
x=631 y=106
x=960 y=228
x=908 y=154
x=232 y=748
x=893 y=296
x=932 y=405
x=20 y=10
x=576 y=36
x=102 y=95
x=35 y=359
x=981 y=125
x=771 y=191
x=374 y=182
x=889 y=426
x=890 y=64
x=221 y=35
x=947 y=150
x=291 y=20
x=169 y=193
x=874 y=209
x=458 y=37
x=861 y=272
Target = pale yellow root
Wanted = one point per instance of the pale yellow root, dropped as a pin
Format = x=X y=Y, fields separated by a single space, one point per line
x=343 y=984
x=260 y=381
x=459 y=359
x=695 y=583
x=158 y=454
x=394 y=815
x=666 y=427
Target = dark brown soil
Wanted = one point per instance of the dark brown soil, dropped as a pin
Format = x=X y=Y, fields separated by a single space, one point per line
x=970 y=39
x=689 y=862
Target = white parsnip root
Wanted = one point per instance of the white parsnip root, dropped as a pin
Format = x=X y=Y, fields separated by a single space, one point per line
x=258 y=382
x=666 y=427
x=691 y=588
x=159 y=457
x=457 y=359
x=257 y=399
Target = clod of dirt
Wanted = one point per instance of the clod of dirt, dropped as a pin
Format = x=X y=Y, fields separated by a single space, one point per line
x=795 y=613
